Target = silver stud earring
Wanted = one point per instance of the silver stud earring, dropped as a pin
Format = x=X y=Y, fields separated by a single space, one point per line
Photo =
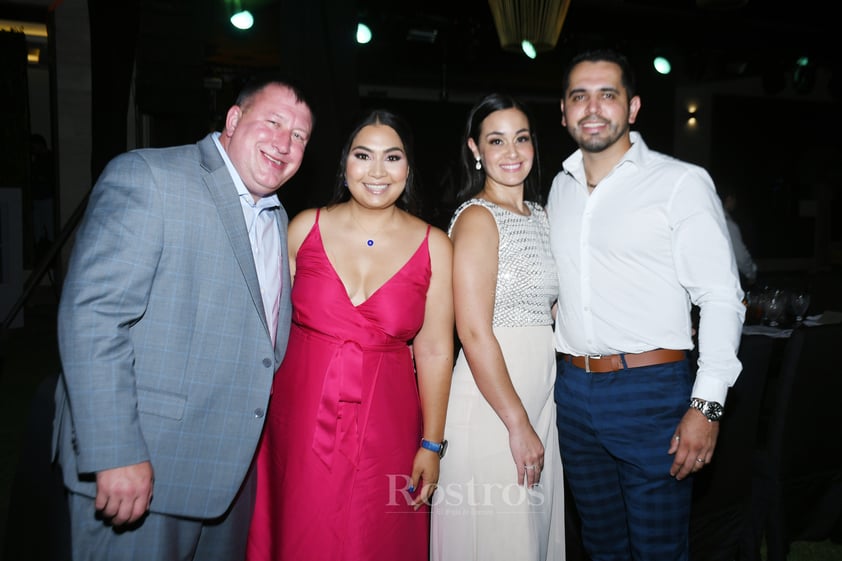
x=478 y=165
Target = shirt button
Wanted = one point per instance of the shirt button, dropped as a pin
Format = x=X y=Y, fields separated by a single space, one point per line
x=258 y=413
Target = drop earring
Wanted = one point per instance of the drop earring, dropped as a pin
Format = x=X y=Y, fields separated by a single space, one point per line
x=478 y=165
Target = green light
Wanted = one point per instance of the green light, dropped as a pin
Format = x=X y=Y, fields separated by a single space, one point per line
x=662 y=65
x=363 y=34
x=528 y=49
x=242 y=20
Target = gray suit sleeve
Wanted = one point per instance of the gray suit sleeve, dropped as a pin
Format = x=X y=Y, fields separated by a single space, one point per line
x=110 y=273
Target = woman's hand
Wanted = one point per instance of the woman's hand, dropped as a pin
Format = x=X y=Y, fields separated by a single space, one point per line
x=425 y=472
x=528 y=453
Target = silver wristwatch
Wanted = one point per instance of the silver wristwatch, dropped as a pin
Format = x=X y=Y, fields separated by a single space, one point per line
x=710 y=409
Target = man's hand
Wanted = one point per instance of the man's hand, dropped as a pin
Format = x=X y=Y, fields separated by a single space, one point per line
x=692 y=444
x=123 y=494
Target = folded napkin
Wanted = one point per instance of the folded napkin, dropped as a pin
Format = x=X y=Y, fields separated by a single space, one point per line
x=766 y=330
x=828 y=317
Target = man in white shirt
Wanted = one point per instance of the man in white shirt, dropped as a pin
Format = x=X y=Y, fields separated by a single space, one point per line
x=637 y=237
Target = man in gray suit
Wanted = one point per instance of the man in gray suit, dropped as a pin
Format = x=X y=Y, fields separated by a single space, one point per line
x=174 y=316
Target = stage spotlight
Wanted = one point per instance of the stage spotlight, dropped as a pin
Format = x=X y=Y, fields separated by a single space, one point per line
x=363 y=34
x=242 y=20
x=528 y=49
x=662 y=65
x=804 y=76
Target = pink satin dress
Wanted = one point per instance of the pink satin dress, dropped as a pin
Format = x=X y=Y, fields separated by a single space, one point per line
x=344 y=422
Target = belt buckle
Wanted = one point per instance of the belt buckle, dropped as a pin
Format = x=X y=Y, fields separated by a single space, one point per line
x=588 y=361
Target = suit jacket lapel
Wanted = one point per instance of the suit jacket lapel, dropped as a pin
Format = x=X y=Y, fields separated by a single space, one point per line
x=224 y=194
x=285 y=310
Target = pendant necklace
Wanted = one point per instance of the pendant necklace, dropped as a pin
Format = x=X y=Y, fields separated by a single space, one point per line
x=370 y=241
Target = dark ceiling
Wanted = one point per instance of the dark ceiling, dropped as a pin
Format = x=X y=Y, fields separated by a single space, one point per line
x=451 y=46
x=705 y=44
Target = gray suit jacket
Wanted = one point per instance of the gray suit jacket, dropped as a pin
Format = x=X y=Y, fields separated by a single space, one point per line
x=165 y=350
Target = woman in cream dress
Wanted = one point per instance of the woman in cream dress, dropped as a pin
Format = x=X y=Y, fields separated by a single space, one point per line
x=501 y=492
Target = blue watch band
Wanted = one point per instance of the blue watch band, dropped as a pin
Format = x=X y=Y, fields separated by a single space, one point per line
x=437 y=447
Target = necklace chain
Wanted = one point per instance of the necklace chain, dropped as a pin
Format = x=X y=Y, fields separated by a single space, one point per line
x=370 y=237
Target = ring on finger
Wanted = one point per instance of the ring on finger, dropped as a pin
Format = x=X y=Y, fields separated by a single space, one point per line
x=700 y=460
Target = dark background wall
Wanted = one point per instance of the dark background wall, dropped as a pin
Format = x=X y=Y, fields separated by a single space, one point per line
x=781 y=156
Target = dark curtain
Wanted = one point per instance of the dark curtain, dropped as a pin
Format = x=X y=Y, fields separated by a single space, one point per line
x=318 y=45
x=114 y=27
x=14 y=116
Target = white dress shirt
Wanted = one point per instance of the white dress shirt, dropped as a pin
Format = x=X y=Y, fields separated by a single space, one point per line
x=635 y=253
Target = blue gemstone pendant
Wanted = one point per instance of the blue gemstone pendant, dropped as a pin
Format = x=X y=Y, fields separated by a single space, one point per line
x=369 y=243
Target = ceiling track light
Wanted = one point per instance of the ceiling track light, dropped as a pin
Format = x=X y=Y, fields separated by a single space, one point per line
x=363 y=33
x=662 y=65
x=803 y=76
x=528 y=49
x=240 y=18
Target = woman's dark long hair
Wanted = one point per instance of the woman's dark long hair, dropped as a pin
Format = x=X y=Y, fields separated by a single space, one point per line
x=473 y=180
x=408 y=201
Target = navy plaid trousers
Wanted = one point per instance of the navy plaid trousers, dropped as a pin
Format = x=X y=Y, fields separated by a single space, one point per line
x=614 y=432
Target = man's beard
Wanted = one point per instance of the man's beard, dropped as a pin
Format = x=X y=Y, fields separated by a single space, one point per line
x=598 y=143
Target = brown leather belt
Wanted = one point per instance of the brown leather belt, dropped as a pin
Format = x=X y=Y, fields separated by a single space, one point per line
x=611 y=363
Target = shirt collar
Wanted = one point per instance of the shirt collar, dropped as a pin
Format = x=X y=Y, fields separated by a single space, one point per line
x=636 y=155
x=245 y=196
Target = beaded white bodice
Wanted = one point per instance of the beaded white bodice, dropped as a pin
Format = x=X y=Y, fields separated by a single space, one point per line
x=527 y=284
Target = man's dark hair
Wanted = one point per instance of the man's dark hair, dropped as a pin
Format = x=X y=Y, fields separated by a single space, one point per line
x=604 y=55
x=256 y=84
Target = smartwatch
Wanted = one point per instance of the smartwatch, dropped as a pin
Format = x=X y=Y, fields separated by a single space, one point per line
x=438 y=447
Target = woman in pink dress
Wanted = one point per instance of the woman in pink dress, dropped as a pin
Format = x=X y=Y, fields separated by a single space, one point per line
x=350 y=454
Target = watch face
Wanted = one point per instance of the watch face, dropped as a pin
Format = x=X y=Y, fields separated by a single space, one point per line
x=712 y=410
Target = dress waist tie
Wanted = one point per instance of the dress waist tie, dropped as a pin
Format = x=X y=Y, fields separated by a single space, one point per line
x=338 y=423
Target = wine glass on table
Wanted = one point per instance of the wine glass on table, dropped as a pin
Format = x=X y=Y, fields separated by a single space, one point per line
x=776 y=307
x=799 y=303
